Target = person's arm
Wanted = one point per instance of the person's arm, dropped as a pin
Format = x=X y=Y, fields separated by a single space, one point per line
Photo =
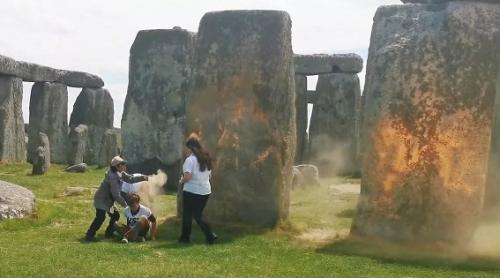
x=187 y=176
x=152 y=219
x=133 y=179
x=187 y=170
x=115 y=189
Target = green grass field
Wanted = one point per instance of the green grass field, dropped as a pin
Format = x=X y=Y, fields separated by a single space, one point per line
x=312 y=243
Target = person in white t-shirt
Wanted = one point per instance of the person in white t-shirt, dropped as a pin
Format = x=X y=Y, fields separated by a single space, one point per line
x=140 y=220
x=196 y=179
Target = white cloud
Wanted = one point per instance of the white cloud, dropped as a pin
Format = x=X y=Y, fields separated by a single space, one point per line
x=96 y=36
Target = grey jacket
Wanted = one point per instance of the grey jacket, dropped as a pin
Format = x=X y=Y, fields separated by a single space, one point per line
x=109 y=191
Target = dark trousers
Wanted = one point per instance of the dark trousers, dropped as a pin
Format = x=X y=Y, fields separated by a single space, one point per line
x=100 y=216
x=192 y=207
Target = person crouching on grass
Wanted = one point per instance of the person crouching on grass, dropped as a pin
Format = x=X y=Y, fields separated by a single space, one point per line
x=109 y=193
x=140 y=220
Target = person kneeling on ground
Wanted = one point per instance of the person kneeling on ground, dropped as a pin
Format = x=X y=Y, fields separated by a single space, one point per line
x=109 y=193
x=140 y=220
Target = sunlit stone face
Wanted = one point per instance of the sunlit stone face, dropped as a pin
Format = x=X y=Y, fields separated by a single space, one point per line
x=430 y=91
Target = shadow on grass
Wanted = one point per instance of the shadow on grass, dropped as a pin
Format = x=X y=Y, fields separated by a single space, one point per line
x=169 y=232
x=347 y=213
x=415 y=256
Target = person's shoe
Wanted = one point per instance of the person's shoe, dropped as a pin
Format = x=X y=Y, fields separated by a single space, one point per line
x=183 y=240
x=89 y=239
x=124 y=240
x=212 y=239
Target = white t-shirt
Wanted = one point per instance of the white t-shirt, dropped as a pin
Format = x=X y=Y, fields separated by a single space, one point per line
x=200 y=183
x=130 y=188
x=133 y=218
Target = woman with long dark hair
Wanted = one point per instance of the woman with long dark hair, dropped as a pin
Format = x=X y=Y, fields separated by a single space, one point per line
x=196 y=179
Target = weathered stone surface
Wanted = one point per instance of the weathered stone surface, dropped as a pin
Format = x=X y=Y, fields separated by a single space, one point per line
x=37 y=73
x=324 y=63
x=8 y=66
x=432 y=75
x=301 y=112
x=311 y=97
x=243 y=106
x=110 y=147
x=492 y=192
x=153 y=119
x=78 y=168
x=42 y=156
x=444 y=1
x=12 y=136
x=49 y=114
x=15 y=201
x=332 y=131
x=80 y=79
x=78 y=140
x=93 y=108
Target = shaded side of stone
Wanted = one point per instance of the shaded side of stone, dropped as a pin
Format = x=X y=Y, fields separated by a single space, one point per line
x=324 y=63
x=301 y=112
x=93 y=108
x=12 y=136
x=78 y=140
x=49 y=114
x=110 y=147
x=243 y=106
x=492 y=193
x=333 y=131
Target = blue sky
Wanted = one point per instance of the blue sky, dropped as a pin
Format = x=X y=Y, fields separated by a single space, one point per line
x=96 y=35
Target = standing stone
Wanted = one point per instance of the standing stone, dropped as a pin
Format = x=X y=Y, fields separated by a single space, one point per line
x=492 y=193
x=444 y=1
x=78 y=140
x=243 y=106
x=433 y=72
x=153 y=118
x=110 y=147
x=41 y=159
x=93 y=108
x=49 y=114
x=333 y=124
x=301 y=112
x=12 y=144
